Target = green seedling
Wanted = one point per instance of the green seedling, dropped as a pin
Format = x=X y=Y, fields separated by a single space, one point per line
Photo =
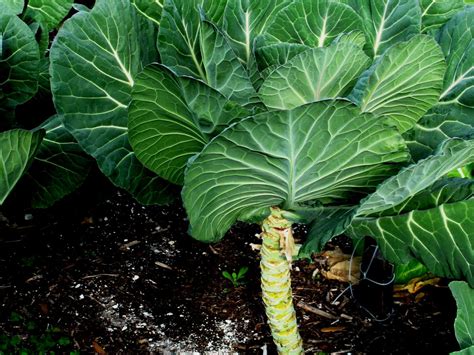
x=238 y=278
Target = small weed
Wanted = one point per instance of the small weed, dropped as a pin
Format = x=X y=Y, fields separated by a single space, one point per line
x=35 y=341
x=237 y=278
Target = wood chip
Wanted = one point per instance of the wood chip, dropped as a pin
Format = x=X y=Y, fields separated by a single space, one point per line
x=315 y=310
x=345 y=316
x=98 y=349
x=127 y=246
x=164 y=266
x=332 y=329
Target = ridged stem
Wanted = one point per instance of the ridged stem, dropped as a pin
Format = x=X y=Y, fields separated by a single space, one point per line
x=277 y=241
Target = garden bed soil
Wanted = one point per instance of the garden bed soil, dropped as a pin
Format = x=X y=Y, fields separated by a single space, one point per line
x=109 y=275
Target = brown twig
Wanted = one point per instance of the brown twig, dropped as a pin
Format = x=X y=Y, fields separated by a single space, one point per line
x=315 y=310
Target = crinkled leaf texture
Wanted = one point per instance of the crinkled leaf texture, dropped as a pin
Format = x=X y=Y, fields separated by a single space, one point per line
x=464 y=323
x=18 y=147
x=172 y=118
x=404 y=83
x=320 y=153
x=94 y=61
x=59 y=167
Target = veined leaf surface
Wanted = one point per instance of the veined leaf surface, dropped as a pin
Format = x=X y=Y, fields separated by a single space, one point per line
x=439 y=124
x=387 y=22
x=49 y=12
x=453 y=116
x=312 y=23
x=404 y=83
x=436 y=13
x=244 y=20
x=442 y=238
x=17 y=150
x=456 y=41
x=464 y=323
x=172 y=118
x=319 y=153
x=316 y=74
x=94 y=60
x=191 y=45
x=151 y=9
x=19 y=60
x=417 y=177
x=59 y=167
x=12 y=7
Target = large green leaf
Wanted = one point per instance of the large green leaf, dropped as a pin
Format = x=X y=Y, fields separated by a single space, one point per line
x=417 y=177
x=59 y=167
x=94 y=60
x=411 y=215
x=179 y=38
x=456 y=41
x=440 y=123
x=316 y=74
x=271 y=56
x=404 y=83
x=454 y=115
x=244 y=20
x=191 y=45
x=387 y=22
x=19 y=60
x=224 y=72
x=49 y=12
x=436 y=13
x=312 y=23
x=464 y=323
x=172 y=118
x=324 y=152
x=441 y=238
x=17 y=150
x=13 y=7
x=151 y=9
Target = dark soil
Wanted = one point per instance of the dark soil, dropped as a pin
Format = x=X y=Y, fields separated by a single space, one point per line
x=115 y=276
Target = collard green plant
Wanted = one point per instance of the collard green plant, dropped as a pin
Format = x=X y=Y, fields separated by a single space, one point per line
x=58 y=165
x=282 y=111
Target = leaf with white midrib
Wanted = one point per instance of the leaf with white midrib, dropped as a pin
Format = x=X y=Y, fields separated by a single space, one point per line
x=387 y=22
x=315 y=74
x=436 y=13
x=317 y=153
x=94 y=59
x=312 y=23
x=18 y=147
x=456 y=39
x=404 y=82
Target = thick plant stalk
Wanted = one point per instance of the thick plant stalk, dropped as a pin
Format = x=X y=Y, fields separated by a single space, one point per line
x=277 y=250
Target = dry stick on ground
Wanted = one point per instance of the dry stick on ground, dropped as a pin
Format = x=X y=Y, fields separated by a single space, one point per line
x=315 y=310
x=99 y=275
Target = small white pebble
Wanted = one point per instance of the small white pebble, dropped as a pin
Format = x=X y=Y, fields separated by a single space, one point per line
x=81 y=297
x=169 y=314
x=135 y=277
